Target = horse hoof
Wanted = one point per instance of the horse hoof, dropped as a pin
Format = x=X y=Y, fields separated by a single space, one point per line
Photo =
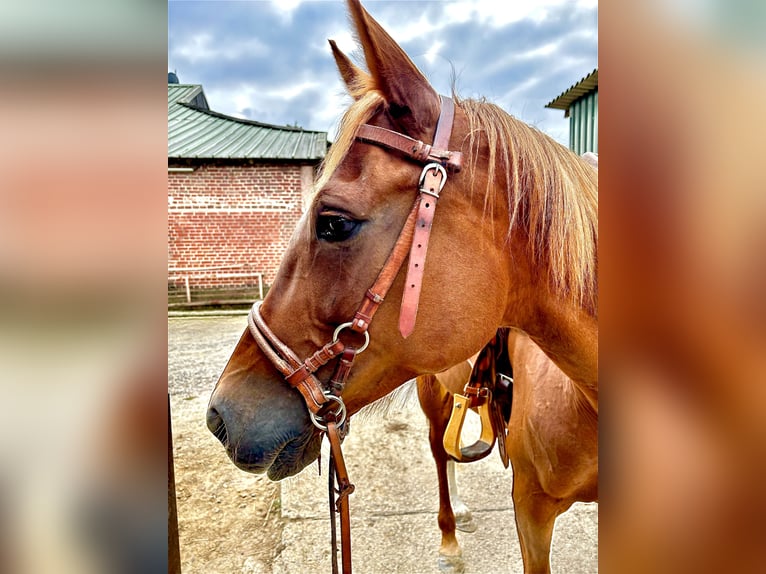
x=451 y=564
x=465 y=522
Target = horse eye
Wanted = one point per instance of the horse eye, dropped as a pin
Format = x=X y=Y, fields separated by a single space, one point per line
x=334 y=228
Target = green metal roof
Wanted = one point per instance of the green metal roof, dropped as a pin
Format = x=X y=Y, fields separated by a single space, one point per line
x=195 y=131
x=564 y=101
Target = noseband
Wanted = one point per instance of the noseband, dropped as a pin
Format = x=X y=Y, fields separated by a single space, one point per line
x=325 y=403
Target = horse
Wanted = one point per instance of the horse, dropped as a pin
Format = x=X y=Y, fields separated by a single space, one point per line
x=435 y=397
x=513 y=205
x=552 y=445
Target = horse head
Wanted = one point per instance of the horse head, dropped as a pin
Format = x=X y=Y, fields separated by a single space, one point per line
x=478 y=273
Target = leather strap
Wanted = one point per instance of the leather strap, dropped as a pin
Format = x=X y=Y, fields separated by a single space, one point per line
x=377 y=292
x=410 y=147
x=432 y=181
x=421 y=152
x=333 y=525
x=315 y=361
x=444 y=124
x=345 y=362
x=500 y=427
x=279 y=354
x=286 y=361
x=340 y=504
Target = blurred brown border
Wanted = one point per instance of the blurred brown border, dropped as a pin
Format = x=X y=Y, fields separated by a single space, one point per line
x=682 y=278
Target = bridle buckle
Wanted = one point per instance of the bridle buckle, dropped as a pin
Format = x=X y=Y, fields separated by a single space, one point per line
x=433 y=170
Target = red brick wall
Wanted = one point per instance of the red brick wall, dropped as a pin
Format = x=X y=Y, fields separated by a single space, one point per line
x=222 y=215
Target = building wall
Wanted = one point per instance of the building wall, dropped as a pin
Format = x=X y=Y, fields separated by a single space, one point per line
x=583 y=124
x=224 y=215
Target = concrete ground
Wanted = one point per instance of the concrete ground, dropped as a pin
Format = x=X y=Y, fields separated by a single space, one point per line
x=394 y=507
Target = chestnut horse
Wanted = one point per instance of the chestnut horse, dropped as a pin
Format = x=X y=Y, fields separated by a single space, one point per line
x=552 y=445
x=515 y=206
x=435 y=396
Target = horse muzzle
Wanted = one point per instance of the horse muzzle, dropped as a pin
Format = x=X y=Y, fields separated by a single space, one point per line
x=276 y=438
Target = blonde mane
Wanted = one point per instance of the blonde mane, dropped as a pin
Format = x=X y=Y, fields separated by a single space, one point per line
x=550 y=191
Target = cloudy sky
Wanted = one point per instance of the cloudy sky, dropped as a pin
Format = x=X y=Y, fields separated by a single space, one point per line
x=270 y=61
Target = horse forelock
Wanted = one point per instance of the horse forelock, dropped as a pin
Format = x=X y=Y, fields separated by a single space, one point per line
x=550 y=191
x=360 y=112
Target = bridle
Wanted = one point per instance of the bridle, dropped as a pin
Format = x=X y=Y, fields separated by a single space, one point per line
x=327 y=410
x=324 y=402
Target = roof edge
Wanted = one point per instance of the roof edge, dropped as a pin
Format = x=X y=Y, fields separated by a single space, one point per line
x=564 y=100
x=249 y=122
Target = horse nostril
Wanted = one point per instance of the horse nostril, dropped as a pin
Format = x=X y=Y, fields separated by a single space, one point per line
x=216 y=425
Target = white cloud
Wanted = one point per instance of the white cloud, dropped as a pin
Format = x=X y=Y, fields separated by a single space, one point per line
x=203 y=47
x=270 y=101
x=290 y=91
x=285 y=8
x=487 y=12
x=499 y=14
x=433 y=51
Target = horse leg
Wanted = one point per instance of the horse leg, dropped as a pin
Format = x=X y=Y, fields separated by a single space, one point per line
x=463 y=518
x=535 y=513
x=432 y=402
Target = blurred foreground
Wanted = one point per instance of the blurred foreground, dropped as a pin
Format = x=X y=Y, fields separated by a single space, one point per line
x=682 y=279
x=82 y=306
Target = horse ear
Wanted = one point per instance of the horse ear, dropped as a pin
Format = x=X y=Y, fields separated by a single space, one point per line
x=358 y=82
x=412 y=102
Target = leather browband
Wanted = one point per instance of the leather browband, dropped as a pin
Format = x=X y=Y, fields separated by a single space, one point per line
x=444 y=127
x=416 y=149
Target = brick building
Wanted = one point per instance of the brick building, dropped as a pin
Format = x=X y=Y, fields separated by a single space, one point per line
x=236 y=189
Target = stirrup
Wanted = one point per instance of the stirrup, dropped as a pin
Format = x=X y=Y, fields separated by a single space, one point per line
x=483 y=446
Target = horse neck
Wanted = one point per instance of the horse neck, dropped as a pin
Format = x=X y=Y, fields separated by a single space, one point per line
x=564 y=329
x=568 y=334
x=541 y=257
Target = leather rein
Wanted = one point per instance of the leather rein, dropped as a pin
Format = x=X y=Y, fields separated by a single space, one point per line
x=327 y=410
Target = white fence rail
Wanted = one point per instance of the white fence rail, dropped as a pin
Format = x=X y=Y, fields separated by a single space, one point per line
x=189 y=274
